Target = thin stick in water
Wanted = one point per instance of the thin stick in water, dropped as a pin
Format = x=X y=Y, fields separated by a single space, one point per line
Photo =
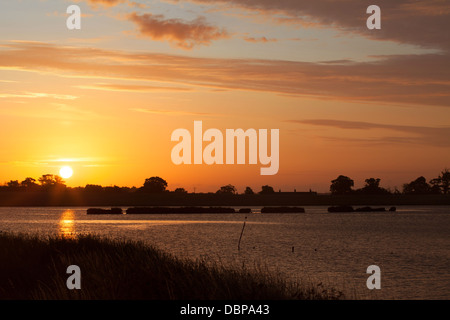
x=243 y=227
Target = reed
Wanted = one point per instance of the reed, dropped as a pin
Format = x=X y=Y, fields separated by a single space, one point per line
x=34 y=267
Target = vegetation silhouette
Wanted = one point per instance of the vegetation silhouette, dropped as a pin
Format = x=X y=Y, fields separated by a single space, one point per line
x=104 y=211
x=342 y=185
x=154 y=185
x=166 y=210
x=51 y=190
x=266 y=190
x=180 y=191
x=442 y=182
x=228 y=189
x=372 y=186
x=131 y=270
x=248 y=190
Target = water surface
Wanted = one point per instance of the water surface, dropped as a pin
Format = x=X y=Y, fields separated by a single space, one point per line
x=411 y=246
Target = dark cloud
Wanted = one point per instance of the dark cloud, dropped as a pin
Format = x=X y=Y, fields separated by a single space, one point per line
x=421 y=22
x=183 y=34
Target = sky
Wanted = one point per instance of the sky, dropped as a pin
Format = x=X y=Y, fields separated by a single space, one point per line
x=105 y=99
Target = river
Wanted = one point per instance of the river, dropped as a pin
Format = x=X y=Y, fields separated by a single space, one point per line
x=411 y=246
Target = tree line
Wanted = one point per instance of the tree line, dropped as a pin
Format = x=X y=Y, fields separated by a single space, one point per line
x=342 y=185
x=440 y=185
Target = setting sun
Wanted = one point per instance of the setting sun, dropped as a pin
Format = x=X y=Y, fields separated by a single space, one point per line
x=66 y=172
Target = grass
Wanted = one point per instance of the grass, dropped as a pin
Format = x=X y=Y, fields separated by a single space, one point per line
x=33 y=267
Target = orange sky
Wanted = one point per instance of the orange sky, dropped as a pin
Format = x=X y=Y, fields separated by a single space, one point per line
x=105 y=99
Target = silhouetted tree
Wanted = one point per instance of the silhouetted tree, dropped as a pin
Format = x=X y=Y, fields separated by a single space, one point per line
x=435 y=189
x=342 y=185
x=266 y=190
x=154 y=185
x=418 y=186
x=228 y=189
x=248 y=190
x=127 y=189
x=373 y=183
x=373 y=187
x=94 y=188
x=442 y=183
x=113 y=189
x=180 y=191
x=29 y=184
x=13 y=185
x=51 y=181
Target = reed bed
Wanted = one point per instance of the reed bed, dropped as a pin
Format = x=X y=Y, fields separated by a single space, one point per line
x=34 y=267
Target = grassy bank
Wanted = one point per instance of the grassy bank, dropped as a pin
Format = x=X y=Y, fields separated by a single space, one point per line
x=34 y=267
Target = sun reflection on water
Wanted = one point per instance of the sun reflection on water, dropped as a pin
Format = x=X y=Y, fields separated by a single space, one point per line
x=67 y=224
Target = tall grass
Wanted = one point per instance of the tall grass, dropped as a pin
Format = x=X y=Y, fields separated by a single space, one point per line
x=33 y=267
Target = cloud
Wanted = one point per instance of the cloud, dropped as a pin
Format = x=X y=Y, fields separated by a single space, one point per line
x=259 y=40
x=73 y=113
x=65 y=14
x=58 y=111
x=85 y=159
x=404 y=79
x=95 y=4
x=87 y=40
x=33 y=95
x=435 y=136
x=57 y=162
x=106 y=3
x=183 y=34
x=171 y=113
x=131 y=88
x=420 y=22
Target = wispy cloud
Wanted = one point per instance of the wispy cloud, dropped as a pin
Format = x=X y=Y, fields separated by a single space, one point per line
x=71 y=160
x=435 y=136
x=259 y=40
x=171 y=112
x=131 y=88
x=87 y=40
x=56 y=110
x=105 y=3
x=389 y=79
x=58 y=162
x=97 y=4
x=34 y=95
x=183 y=34
x=65 y=14
x=74 y=113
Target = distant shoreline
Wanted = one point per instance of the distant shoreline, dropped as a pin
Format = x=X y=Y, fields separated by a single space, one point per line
x=82 y=199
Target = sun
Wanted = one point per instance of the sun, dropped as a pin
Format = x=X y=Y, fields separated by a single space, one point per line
x=66 y=172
